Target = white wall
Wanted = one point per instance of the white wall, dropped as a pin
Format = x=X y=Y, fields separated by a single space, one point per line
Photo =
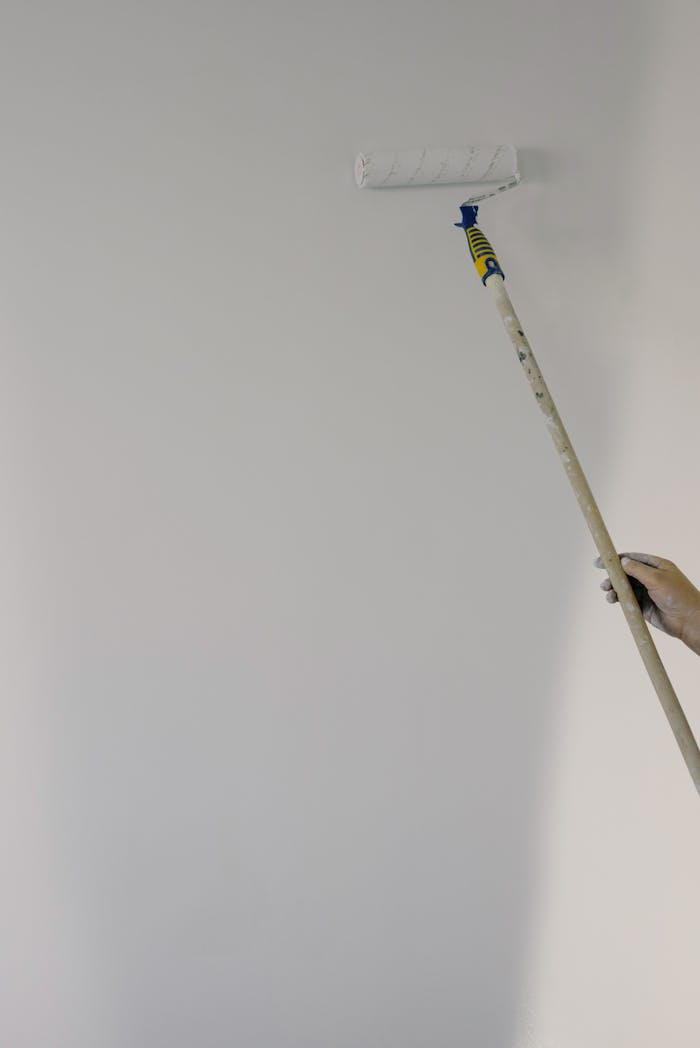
x=316 y=730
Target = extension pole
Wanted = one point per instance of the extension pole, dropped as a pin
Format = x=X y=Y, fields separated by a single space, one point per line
x=491 y=274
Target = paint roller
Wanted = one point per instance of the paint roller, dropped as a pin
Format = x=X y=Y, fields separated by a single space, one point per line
x=491 y=170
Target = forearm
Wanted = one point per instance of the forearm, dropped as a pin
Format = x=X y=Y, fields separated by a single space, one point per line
x=691 y=631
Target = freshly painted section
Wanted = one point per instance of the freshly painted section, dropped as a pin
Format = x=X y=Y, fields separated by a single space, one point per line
x=312 y=710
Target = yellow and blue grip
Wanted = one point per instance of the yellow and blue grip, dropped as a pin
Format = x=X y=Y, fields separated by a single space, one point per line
x=483 y=255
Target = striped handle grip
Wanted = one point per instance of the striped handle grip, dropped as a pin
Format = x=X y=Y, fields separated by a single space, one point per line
x=483 y=255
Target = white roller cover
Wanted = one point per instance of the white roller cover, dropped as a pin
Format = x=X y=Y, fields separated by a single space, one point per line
x=439 y=166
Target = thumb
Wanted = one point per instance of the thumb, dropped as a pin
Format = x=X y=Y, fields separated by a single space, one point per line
x=647 y=575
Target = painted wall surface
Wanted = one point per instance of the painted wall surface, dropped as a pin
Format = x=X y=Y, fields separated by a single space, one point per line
x=316 y=730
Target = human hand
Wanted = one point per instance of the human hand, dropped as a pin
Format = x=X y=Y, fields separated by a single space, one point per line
x=669 y=601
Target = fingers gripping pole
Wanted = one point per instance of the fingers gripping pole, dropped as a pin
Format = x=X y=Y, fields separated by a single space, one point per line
x=492 y=275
